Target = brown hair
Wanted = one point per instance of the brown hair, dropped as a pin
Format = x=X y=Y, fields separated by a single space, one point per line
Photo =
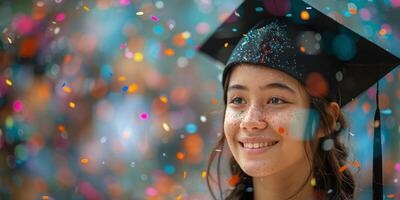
x=327 y=166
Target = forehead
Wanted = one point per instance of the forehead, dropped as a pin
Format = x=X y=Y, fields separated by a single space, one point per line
x=258 y=75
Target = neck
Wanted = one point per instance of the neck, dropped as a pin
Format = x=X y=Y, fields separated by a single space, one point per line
x=287 y=184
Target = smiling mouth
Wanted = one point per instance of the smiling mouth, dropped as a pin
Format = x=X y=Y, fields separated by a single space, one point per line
x=259 y=145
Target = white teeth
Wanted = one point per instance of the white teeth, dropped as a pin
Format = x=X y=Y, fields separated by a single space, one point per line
x=258 y=145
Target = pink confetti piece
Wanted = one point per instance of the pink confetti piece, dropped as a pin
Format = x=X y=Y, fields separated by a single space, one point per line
x=151 y=191
x=128 y=54
x=124 y=2
x=154 y=18
x=18 y=106
x=60 y=17
x=143 y=116
x=123 y=46
x=397 y=167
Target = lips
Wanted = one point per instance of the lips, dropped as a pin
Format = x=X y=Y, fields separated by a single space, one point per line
x=257 y=142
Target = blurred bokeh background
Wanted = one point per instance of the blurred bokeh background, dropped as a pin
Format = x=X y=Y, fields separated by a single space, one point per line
x=110 y=99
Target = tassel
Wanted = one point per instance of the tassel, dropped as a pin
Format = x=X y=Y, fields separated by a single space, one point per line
x=377 y=183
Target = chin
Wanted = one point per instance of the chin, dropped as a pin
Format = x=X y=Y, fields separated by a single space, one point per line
x=258 y=168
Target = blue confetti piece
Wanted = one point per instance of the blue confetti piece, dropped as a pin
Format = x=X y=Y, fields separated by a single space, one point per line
x=158 y=30
x=259 y=9
x=124 y=88
x=234 y=29
x=191 y=128
x=386 y=111
x=169 y=169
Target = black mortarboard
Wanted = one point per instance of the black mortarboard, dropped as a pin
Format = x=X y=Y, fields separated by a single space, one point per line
x=329 y=59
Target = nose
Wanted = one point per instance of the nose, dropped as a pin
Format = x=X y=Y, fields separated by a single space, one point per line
x=254 y=119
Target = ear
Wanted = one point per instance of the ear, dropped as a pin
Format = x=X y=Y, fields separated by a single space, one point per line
x=335 y=111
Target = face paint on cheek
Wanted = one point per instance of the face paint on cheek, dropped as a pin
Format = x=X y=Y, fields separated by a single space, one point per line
x=298 y=124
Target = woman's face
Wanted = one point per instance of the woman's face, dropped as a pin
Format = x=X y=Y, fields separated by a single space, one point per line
x=265 y=106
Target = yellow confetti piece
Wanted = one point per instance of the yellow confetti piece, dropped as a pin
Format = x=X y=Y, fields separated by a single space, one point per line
x=86 y=8
x=138 y=57
x=164 y=99
x=9 y=82
x=9 y=40
x=71 y=104
x=342 y=168
x=132 y=88
x=203 y=174
x=84 y=161
x=313 y=182
x=166 y=127
x=226 y=44
x=67 y=89
x=184 y=174
x=304 y=15
x=121 y=78
x=186 y=35
x=139 y=13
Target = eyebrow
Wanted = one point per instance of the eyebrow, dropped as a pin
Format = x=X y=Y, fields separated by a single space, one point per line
x=276 y=85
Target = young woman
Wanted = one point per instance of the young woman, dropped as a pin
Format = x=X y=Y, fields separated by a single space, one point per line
x=265 y=124
x=281 y=119
x=284 y=84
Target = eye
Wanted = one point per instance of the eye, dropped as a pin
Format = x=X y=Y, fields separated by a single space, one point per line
x=237 y=100
x=276 y=100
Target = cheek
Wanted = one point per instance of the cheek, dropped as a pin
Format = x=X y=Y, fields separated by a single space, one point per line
x=232 y=119
x=291 y=123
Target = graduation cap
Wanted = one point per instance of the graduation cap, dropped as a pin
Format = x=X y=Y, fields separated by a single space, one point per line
x=331 y=60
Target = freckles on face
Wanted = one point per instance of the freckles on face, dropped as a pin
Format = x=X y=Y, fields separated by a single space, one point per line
x=284 y=121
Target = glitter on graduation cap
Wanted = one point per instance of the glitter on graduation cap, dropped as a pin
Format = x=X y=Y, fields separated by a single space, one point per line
x=330 y=60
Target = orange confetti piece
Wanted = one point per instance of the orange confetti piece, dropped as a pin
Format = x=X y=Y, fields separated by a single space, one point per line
x=234 y=180
x=302 y=49
x=169 y=52
x=180 y=155
x=342 y=168
x=67 y=89
x=214 y=101
x=45 y=197
x=382 y=32
x=179 y=197
x=61 y=128
x=353 y=11
x=67 y=59
x=132 y=88
x=304 y=15
x=356 y=164
x=122 y=78
x=281 y=130
x=391 y=196
x=84 y=161
x=71 y=104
